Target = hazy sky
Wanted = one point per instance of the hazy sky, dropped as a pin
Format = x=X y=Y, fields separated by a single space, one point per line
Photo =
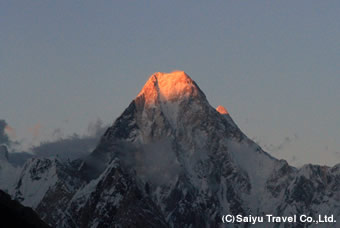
x=275 y=65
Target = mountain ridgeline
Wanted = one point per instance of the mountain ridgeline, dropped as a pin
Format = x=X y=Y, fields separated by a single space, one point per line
x=172 y=160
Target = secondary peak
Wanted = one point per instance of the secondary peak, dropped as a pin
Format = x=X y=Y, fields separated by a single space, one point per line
x=222 y=110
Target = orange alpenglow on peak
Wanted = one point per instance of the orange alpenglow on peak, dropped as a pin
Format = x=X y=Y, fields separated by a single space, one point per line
x=168 y=87
x=222 y=110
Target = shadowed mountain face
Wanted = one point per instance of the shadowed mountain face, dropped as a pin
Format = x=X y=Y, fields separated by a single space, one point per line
x=13 y=214
x=172 y=160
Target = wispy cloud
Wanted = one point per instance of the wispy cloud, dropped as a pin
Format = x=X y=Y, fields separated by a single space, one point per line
x=35 y=131
x=65 y=147
x=74 y=146
x=10 y=131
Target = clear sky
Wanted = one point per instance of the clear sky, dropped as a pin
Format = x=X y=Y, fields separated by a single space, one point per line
x=275 y=65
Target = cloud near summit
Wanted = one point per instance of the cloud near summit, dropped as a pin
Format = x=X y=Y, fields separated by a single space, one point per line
x=65 y=147
x=74 y=146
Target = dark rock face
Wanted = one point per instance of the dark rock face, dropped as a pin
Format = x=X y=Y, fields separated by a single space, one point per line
x=13 y=214
x=59 y=194
x=111 y=201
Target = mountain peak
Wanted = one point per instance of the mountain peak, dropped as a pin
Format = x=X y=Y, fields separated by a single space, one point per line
x=222 y=110
x=169 y=87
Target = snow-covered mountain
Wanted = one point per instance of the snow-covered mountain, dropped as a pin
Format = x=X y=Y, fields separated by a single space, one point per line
x=46 y=184
x=8 y=173
x=172 y=160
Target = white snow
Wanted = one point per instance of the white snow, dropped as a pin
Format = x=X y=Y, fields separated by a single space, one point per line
x=34 y=189
x=8 y=175
x=258 y=166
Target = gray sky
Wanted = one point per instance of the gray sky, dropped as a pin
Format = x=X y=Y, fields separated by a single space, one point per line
x=273 y=64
